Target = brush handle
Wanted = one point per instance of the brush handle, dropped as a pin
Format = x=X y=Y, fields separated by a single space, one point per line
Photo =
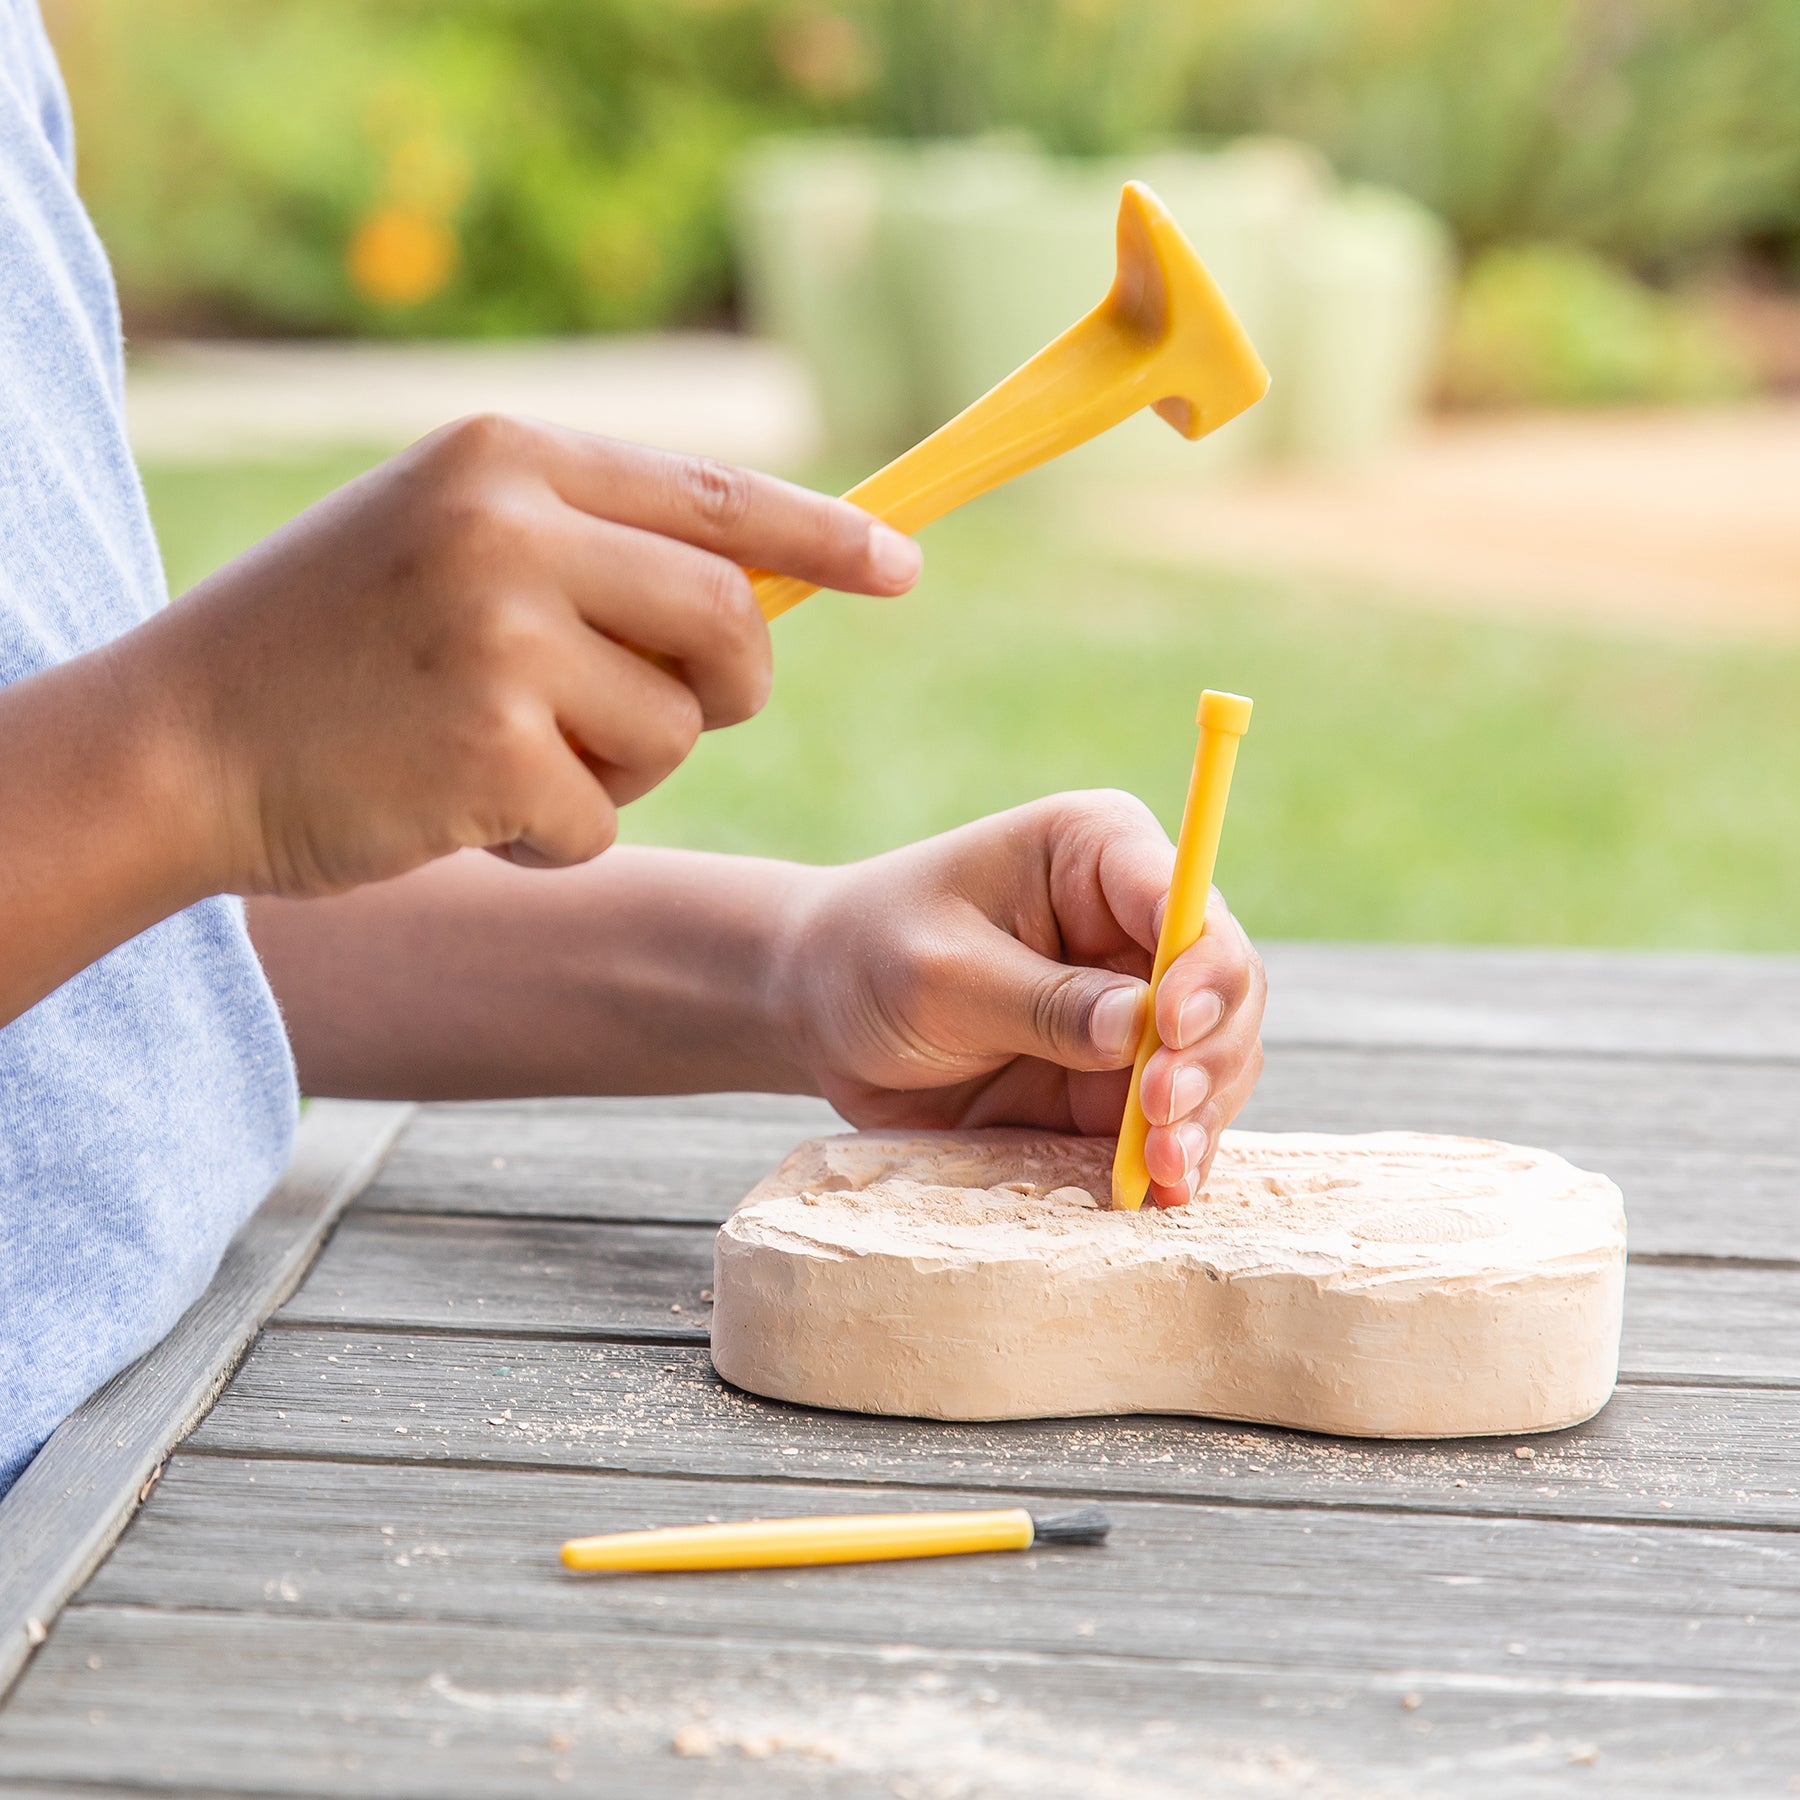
x=795 y=1543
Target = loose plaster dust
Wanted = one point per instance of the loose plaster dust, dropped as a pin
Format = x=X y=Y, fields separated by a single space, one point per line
x=1389 y=1285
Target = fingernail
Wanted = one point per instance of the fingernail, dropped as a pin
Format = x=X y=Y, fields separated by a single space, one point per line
x=897 y=559
x=1199 y=1014
x=1192 y=1139
x=1113 y=1023
x=1188 y=1089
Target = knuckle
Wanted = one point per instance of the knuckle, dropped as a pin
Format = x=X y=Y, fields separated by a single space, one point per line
x=717 y=493
x=1057 y=1011
x=600 y=830
x=505 y=631
x=840 y=537
x=482 y=525
x=678 y=724
x=730 y=603
x=508 y=735
x=1112 y=808
x=481 y=439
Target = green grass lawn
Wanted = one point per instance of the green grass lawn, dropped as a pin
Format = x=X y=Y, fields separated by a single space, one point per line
x=1408 y=776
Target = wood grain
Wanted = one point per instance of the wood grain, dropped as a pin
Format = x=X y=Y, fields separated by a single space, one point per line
x=668 y=1160
x=1606 y=1002
x=1500 y=1599
x=78 y=1493
x=1703 y=1151
x=1663 y=1454
x=534 y=1277
x=184 y=1702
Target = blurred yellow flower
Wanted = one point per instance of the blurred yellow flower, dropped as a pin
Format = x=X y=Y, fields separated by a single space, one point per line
x=398 y=257
x=824 y=54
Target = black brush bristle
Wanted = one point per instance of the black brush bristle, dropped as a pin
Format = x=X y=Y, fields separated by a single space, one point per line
x=1085 y=1525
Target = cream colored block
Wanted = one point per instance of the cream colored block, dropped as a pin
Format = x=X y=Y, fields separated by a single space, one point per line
x=1389 y=1285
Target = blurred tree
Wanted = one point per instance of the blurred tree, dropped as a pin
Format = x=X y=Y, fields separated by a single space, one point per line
x=491 y=166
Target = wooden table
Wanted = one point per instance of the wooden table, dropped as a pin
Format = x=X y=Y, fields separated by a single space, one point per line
x=345 y=1582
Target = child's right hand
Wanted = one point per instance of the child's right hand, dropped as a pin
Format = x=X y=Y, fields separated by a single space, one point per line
x=435 y=657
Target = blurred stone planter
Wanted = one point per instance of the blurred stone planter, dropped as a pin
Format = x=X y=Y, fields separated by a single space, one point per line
x=912 y=279
x=809 y=214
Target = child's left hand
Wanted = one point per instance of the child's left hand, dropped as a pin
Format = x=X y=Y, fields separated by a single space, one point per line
x=996 y=976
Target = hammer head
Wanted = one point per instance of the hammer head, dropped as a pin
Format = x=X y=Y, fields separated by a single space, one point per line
x=1202 y=365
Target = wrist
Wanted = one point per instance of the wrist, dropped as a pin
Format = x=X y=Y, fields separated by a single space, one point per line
x=104 y=821
x=166 y=706
x=800 y=973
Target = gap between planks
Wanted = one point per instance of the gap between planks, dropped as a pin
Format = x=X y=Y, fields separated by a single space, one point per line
x=1352 y=1591
x=836 y=1486
x=75 y=1497
x=461 y=1713
x=1691 y=1453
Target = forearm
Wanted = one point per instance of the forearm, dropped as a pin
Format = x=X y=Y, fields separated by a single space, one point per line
x=104 y=817
x=645 y=971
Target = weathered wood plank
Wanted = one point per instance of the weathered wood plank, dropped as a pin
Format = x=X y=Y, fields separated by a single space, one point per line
x=1713 y=1456
x=683 y=1159
x=77 y=1494
x=445 y=1712
x=1609 y=1101
x=1500 y=1598
x=513 y=1275
x=1606 y=1001
x=1705 y=1153
x=1716 y=1323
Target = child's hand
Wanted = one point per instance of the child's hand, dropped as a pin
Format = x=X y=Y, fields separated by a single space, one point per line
x=437 y=655
x=975 y=979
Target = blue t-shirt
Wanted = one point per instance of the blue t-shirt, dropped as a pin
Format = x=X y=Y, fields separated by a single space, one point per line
x=149 y=1103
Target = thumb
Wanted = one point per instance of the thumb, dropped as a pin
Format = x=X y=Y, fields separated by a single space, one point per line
x=1078 y=1018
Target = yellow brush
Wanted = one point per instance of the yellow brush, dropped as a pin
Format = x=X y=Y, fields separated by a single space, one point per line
x=856 y=1537
x=1162 y=337
x=1224 y=718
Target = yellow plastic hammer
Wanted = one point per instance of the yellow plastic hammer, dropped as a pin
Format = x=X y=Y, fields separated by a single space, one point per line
x=1162 y=337
x=1224 y=718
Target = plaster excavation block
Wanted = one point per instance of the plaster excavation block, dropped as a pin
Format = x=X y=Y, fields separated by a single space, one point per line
x=1393 y=1285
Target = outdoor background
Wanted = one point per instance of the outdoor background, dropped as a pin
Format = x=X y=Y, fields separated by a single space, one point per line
x=1618 y=183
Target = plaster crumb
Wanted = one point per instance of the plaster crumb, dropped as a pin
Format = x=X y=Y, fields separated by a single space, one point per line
x=1524 y=1452
x=1412 y=1702
x=1515 y=1649
x=35 y=1632
x=1585 y=1755
x=93 y=1662
x=1085 y=1628
x=694 y=1740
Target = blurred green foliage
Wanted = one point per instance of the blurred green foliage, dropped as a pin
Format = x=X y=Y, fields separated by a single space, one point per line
x=1560 y=326
x=497 y=166
x=1411 y=775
